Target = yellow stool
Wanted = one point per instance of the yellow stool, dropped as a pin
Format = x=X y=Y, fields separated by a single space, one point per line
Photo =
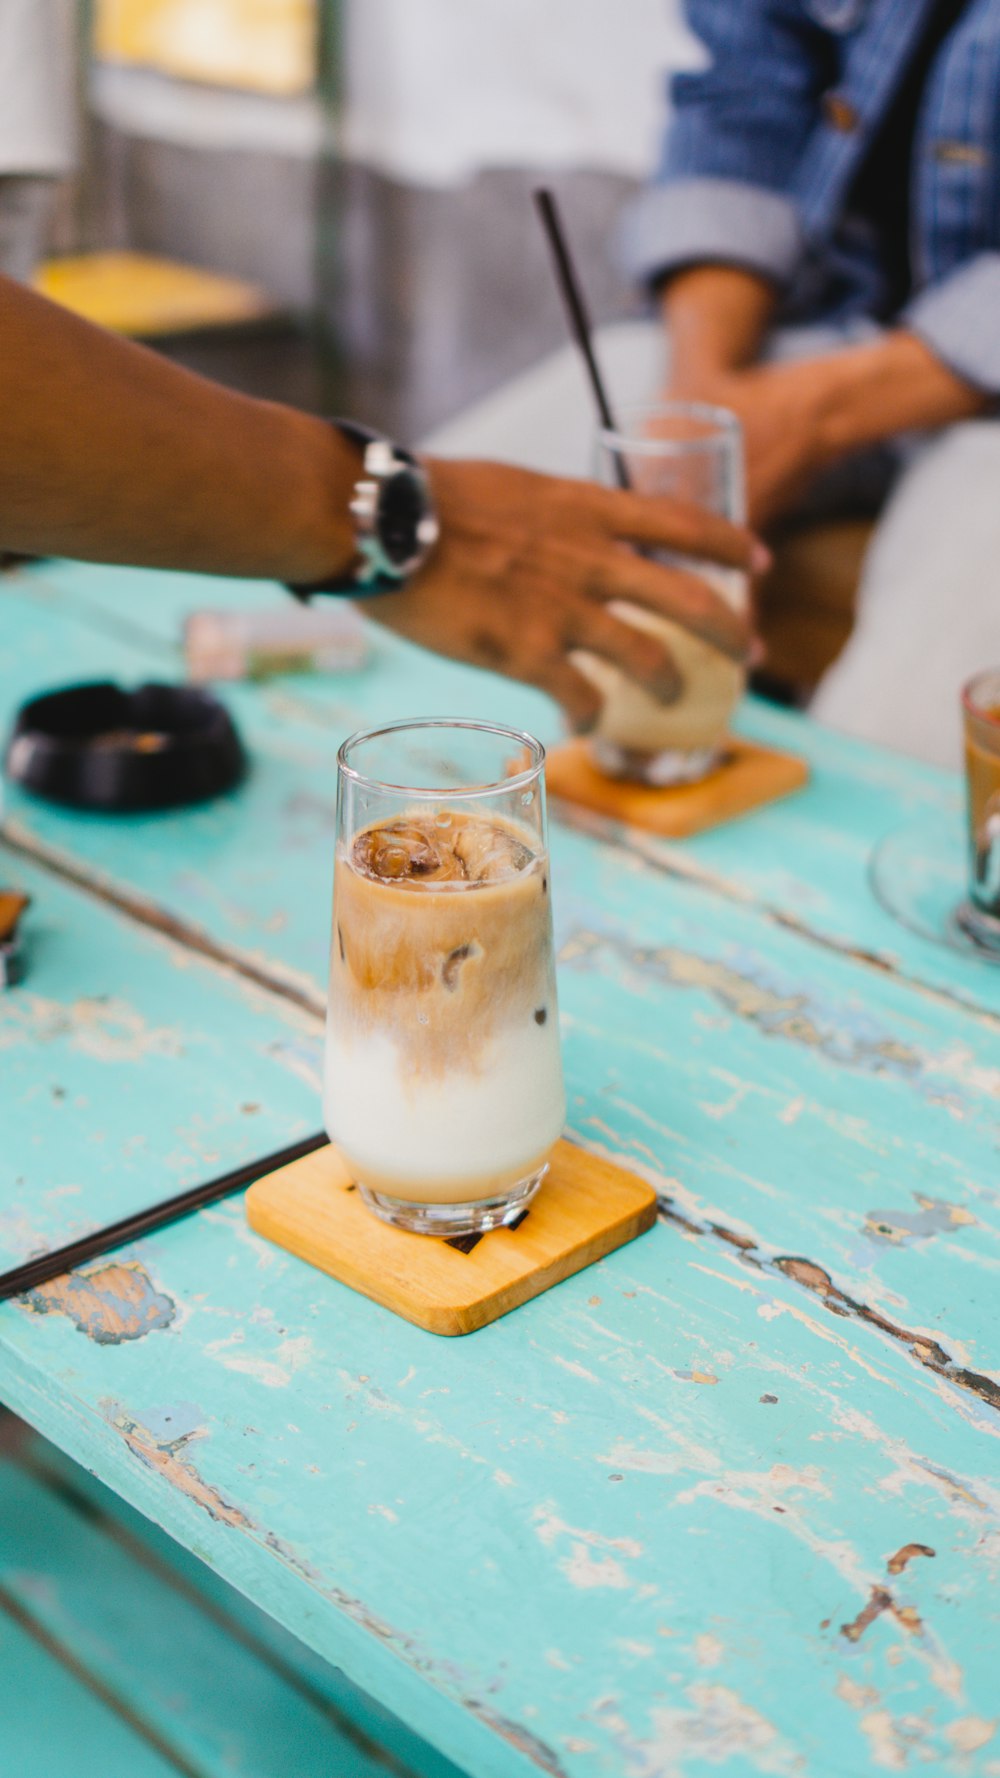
x=146 y=297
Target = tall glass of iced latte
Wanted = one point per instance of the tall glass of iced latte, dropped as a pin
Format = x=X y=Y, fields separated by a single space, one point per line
x=444 y=1091
x=692 y=453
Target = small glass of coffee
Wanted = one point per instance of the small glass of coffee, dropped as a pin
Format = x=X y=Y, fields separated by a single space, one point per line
x=693 y=453
x=444 y=1088
x=980 y=915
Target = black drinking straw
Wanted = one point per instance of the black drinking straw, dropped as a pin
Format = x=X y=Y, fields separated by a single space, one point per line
x=47 y=1266
x=576 y=313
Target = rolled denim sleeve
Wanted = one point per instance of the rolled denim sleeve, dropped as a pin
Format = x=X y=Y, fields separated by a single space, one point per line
x=701 y=221
x=959 y=319
x=732 y=145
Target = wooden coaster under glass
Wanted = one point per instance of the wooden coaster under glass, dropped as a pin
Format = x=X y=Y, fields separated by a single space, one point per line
x=585 y=1208
x=747 y=777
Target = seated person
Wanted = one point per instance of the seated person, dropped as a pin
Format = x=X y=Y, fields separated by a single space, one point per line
x=110 y=453
x=824 y=237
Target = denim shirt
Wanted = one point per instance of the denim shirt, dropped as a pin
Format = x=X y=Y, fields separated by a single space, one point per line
x=765 y=143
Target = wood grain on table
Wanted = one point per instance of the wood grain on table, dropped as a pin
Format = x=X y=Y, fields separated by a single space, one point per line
x=730 y=1500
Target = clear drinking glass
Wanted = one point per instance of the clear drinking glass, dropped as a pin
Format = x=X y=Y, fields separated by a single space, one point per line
x=980 y=915
x=444 y=1090
x=693 y=453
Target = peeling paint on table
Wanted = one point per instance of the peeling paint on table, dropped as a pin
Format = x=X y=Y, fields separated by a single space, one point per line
x=109 y=1303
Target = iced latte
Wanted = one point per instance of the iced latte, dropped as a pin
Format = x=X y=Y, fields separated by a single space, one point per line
x=693 y=453
x=444 y=1086
x=638 y=737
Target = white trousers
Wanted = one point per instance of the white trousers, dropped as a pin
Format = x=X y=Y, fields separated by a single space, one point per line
x=929 y=604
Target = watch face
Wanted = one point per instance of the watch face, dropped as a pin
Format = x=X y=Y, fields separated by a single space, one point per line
x=403 y=503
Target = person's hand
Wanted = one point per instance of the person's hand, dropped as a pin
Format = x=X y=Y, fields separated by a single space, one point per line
x=527 y=566
x=783 y=411
x=799 y=418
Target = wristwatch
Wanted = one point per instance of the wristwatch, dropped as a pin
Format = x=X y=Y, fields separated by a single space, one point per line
x=395 y=524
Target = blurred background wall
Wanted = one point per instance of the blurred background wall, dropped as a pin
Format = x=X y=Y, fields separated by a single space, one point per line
x=368 y=164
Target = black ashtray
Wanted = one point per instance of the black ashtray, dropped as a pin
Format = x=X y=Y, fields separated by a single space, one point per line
x=99 y=747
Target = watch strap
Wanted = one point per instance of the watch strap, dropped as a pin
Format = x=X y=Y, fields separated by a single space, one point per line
x=357 y=583
x=357 y=434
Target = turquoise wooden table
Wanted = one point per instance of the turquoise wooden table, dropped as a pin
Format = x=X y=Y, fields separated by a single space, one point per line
x=728 y=1502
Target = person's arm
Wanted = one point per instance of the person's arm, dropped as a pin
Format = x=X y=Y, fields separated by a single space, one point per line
x=111 y=453
x=801 y=417
x=876 y=391
x=716 y=318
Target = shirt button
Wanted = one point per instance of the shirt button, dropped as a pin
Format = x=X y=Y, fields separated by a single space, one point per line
x=840 y=114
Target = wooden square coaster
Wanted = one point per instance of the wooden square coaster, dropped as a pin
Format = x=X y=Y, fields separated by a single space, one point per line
x=747 y=777
x=585 y=1209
